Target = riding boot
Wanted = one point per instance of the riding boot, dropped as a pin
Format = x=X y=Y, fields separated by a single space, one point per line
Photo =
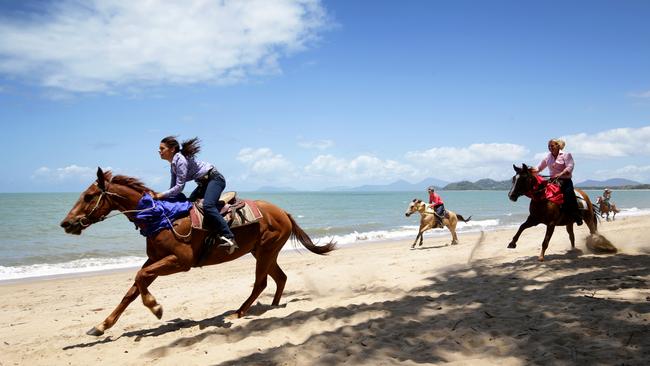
x=230 y=243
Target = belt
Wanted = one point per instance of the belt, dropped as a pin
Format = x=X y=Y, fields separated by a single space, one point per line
x=206 y=177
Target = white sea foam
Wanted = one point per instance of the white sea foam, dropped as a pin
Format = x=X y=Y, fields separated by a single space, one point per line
x=406 y=231
x=66 y=268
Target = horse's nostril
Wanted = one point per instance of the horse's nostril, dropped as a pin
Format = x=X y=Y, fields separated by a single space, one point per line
x=65 y=224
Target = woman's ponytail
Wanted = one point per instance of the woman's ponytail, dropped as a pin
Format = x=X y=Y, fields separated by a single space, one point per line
x=191 y=147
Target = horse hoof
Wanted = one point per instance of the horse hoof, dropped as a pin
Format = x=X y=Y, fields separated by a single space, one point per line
x=541 y=259
x=94 y=332
x=512 y=245
x=157 y=310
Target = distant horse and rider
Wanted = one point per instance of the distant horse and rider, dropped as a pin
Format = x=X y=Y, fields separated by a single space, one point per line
x=605 y=206
x=543 y=210
x=429 y=220
x=169 y=253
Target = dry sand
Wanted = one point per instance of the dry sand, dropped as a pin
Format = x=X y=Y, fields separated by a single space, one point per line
x=372 y=304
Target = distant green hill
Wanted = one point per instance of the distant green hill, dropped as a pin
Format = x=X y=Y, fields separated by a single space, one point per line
x=479 y=185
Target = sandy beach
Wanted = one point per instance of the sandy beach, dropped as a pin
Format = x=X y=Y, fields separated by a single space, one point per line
x=374 y=304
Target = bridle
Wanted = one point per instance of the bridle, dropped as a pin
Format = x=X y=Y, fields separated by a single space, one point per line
x=536 y=186
x=105 y=193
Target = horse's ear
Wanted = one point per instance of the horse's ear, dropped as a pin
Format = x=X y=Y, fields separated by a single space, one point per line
x=415 y=200
x=516 y=168
x=101 y=180
x=524 y=167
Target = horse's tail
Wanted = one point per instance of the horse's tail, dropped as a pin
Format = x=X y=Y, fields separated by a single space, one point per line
x=461 y=218
x=299 y=234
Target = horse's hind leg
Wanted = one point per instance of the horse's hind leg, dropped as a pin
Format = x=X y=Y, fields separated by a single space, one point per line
x=264 y=263
x=280 y=279
x=572 y=238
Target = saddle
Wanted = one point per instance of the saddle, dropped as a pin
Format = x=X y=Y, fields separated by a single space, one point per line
x=236 y=211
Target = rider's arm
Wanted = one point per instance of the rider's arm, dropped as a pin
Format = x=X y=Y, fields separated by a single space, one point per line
x=542 y=164
x=179 y=165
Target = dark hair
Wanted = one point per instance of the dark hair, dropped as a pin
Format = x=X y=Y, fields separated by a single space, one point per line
x=191 y=147
x=172 y=143
x=188 y=148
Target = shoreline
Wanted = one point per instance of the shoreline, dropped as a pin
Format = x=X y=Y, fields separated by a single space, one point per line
x=431 y=234
x=366 y=304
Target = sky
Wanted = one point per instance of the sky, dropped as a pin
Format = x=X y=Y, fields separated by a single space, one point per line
x=314 y=94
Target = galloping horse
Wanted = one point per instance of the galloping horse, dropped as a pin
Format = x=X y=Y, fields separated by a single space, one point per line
x=605 y=209
x=542 y=211
x=428 y=220
x=168 y=254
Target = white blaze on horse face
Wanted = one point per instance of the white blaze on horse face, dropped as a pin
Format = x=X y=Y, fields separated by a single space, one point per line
x=515 y=180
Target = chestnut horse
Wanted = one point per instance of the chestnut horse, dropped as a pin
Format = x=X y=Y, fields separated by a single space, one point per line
x=168 y=252
x=428 y=220
x=605 y=210
x=542 y=211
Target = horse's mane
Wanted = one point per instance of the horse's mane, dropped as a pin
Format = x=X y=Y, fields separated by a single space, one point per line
x=130 y=182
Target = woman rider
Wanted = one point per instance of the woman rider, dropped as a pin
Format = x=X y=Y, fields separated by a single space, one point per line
x=560 y=165
x=210 y=185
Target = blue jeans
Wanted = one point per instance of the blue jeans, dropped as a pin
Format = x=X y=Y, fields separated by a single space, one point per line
x=211 y=191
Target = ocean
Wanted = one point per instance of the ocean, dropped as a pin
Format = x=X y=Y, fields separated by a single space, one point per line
x=32 y=244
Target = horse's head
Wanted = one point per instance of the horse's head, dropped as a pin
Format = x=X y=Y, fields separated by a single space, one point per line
x=522 y=182
x=92 y=206
x=415 y=206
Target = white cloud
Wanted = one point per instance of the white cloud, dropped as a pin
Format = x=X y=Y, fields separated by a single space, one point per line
x=99 y=45
x=471 y=156
x=263 y=162
x=643 y=95
x=68 y=173
x=634 y=172
x=360 y=168
x=320 y=144
x=618 y=142
x=476 y=161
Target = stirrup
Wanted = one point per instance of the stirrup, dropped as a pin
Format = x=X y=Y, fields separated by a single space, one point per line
x=232 y=246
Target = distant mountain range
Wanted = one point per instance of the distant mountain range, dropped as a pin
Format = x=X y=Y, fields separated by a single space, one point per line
x=479 y=185
x=397 y=186
x=614 y=182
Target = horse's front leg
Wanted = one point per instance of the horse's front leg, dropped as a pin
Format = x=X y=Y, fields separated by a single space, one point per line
x=416 y=239
x=422 y=230
x=547 y=238
x=133 y=292
x=166 y=266
x=528 y=223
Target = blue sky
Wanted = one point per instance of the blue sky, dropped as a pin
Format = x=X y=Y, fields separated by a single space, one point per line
x=314 y=94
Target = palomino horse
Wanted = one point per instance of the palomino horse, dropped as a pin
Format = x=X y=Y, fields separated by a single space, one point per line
x=428 y=220
x=168 y=253
x=605 y=209
x=543 y=211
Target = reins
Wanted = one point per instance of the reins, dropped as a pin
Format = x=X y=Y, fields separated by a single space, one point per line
x=106 y=192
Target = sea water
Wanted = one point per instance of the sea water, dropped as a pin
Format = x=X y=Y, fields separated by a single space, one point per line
x=33 y=244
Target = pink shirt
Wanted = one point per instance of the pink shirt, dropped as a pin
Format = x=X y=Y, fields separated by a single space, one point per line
x=561 y=167
x=435 y=199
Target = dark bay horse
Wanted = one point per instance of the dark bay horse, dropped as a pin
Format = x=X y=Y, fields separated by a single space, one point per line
x=542 y=211
x=168 y=253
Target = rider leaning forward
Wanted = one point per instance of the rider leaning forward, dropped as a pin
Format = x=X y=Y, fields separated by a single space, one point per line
x=560 y=165
x=210 y=184
x=435 y=202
